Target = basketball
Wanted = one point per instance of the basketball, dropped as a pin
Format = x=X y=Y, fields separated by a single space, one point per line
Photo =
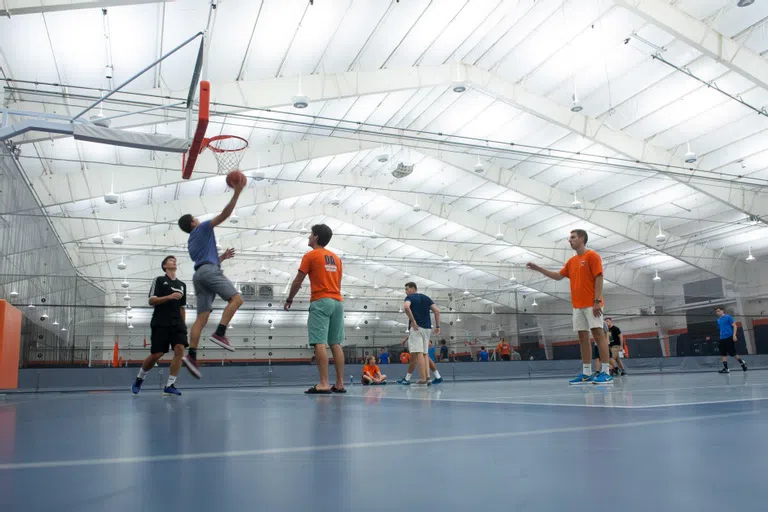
x=236 y=177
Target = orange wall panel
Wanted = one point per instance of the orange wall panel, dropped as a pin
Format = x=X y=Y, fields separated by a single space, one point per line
x=10 y=345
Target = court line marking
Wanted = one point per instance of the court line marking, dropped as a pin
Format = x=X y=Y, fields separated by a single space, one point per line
x=518 y=402
x=355 y=446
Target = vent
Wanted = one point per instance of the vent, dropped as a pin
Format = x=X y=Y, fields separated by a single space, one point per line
x=265 y=292
x=247 y=290
x=402 y=170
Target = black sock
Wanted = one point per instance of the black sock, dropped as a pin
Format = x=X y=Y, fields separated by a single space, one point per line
x=741 y=362
x=192 y=353
x=221 y=330
x=725 y=364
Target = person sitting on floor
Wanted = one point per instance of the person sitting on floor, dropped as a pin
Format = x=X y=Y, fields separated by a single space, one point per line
x=405 y=356
x=482 y=355
x=371 y=373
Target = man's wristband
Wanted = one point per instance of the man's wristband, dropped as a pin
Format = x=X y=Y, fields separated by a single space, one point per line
x=289 y=301
x=437 y=327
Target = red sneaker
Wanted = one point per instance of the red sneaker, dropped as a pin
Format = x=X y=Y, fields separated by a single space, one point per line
x=222 y=341
x=191 y=365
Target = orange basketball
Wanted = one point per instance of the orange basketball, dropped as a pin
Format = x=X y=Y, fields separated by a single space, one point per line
x=236 y=177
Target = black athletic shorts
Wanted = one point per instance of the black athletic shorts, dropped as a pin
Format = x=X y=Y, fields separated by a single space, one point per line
x=727 y=347
x=165 y=338
x=506 y=357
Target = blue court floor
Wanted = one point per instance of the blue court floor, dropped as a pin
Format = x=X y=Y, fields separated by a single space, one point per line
x=652 y=443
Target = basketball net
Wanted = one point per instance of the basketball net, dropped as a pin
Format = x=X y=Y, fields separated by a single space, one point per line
x=228 y=150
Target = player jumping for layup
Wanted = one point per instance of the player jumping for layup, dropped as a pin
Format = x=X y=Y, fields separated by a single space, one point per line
x=209 y=280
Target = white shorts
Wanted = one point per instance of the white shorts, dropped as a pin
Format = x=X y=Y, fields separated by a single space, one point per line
x=418 y=341
x=584 y=319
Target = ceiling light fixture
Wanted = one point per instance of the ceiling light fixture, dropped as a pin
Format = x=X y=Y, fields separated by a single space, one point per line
x=14 y=294
x=466 y=292
x=512 y=278
x=357 y=327
x=110 y=197
x=300 y=100
x=576 y=104
x=64 y=329
x=458 y=319
x=479 y=168
x=122 y=265
x=31 y=306
x=535 y=304
x=750 y=258
x=127 y=297
x=383 y=156
x=690 y=156
x=660 y=236
x=55 y=322
x=576 y=204
x=446 y=258
x=335 y=201
x=745 y=3
x=459 y=85
x=234 y=219
x=656 y=278
x=118 y=238
x=416 y=206
x=499 y=234
x=125 y=283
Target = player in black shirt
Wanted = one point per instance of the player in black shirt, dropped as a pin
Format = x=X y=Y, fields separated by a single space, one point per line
x=168 y=296
x=614 y=336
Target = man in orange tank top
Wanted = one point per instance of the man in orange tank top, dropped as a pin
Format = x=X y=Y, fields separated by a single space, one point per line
x=326 y=309
x=585 y=272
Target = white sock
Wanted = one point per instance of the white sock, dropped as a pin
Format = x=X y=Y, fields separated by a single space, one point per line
x=436 y=374
x=605 y=368
x=408 y=377
x=142 y=373
x=586 y=369
x=171 y=380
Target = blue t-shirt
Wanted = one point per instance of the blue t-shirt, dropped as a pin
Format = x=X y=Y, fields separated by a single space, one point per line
x=431 y=352
x=384 y=358
x=483 y=355
x=726 y=328
x=202 y=244
x=420 y=305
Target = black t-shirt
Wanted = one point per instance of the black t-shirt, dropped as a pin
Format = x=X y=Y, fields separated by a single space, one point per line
x=168 y=314
x=615 y=333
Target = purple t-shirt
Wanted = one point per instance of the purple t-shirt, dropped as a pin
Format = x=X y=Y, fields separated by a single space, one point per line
x=202 y=245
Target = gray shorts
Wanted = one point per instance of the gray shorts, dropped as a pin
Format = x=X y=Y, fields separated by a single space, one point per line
x=209 y=282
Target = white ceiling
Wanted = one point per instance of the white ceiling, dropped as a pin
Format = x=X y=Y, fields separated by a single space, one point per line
x=527 y=58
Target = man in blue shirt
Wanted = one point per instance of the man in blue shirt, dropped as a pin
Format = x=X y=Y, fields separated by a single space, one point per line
x=417 y=307
x=431 y=353
x=482 y=355
x=384 y=356
x=209 y=280
x=728 y=339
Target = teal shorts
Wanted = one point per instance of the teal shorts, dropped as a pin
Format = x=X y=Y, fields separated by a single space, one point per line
x=326 y=322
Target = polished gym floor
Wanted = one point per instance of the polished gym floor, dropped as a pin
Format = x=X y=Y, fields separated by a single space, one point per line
x=649 y=443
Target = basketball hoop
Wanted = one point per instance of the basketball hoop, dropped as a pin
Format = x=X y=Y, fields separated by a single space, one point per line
x=228 y=150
